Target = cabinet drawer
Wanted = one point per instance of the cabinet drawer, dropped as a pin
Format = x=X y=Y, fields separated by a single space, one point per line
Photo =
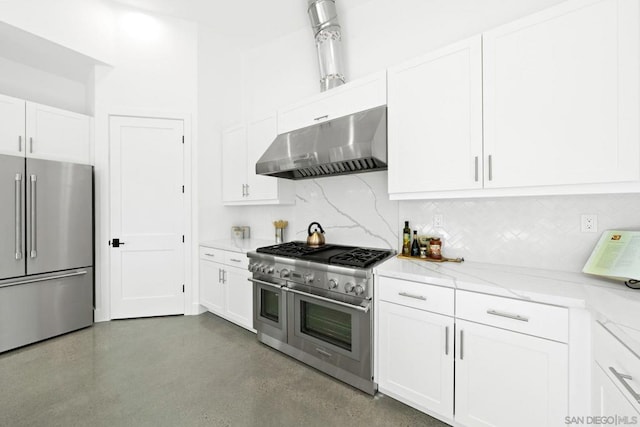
x=236 y=259
x=350 y=98
x=211 y=254
x=618 y=362
x=417 y=295
x=531 y=318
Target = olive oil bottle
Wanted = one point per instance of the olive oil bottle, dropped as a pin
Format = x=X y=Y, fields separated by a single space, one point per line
x=406 y=239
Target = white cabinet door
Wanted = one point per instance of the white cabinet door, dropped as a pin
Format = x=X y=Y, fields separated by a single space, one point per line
x=561 y=96
x=239 y=297
x=506 y=379
x=415 y=350
x=260 y=135
x=211 y=289
x=435 y=120
x=608 y=400
x=234 y=164
x=12 y=122
x=55 y=134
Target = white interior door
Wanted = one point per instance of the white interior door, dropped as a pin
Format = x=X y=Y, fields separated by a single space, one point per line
x=147 y=216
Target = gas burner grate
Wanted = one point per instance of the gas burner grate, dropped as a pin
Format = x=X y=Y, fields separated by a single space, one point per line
x=289 y=249
x=360 y=257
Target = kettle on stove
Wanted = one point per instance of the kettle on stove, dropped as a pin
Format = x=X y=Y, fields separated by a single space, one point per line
x=315 y=238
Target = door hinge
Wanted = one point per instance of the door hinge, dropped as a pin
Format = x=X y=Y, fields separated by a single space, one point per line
x=183 y=189
x=183 y=289
x=183 y=139
x=183 y=238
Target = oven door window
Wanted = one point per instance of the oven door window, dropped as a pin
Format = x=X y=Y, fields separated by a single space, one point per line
x=270 y=305
x=326 y=324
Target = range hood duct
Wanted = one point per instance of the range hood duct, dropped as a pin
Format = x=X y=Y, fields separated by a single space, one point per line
x=350 y=144
x=328 y=36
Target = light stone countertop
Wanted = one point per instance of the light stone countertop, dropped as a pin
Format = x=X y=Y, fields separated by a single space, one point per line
x=237 y=245
x=610 y=301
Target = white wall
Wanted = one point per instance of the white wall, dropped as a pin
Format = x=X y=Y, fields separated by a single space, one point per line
x=539 y=231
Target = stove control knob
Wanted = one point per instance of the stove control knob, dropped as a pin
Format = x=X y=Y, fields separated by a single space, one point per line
x=270 y=270
x=308 y=278
x=263 y=268
x=333 y=283
x=251 y=266
x=348 y=287
x=358 y=290
x=284 y=273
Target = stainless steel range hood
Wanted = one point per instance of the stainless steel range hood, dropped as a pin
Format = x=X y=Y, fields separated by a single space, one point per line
x=351 y=144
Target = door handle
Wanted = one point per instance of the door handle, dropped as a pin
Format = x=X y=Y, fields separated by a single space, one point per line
x=44 y=279
x=247 y=190
x=116 y=243
x=461 y=344
x=219 y=275
x=18 y=219
x=19 y=143
x=623 y=379
x=476 y=168
x=31 y=144
x=33 y=213
x=490 y=161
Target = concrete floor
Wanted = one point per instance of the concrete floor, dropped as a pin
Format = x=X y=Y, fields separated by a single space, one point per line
x=178 y=371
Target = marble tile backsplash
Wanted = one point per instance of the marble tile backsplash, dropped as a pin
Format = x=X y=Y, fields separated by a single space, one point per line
x=541 y=232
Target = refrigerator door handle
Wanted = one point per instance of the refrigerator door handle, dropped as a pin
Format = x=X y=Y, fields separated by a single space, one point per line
x=45 y=279
x=33 y=213
x=18 y=222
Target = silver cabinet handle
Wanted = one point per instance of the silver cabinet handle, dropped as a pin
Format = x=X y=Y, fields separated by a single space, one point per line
x=476 y=168
x=508 y=315
x=219 y=275
x=408 y=295
x=31 y=144
x=329 y=300
x=235 y=260
x=224 y=276
x=324 y=353
x=461 y=344
x=446 y=340
x=623 y=379
x=490 y=160
x=19 y=143
x=18 y=219
x=208 y=254
x=247 y=190
x=33 y=218
x=326 y=116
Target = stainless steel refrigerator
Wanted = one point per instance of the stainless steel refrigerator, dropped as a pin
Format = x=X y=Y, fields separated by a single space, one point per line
x=46 y=249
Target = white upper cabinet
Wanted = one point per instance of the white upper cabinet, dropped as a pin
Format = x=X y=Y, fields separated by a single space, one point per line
x=234 y=164
x=56 y=134
x=561 y=96
x=435 y=120
x=12 y=121
x=242 y=146
x=358 y=95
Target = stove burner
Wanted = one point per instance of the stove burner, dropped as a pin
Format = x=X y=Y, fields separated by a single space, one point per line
x=348 y=256
x=359 y=257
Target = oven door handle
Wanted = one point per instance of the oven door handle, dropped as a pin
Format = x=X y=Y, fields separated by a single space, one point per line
x=329 y=300
x=261 y=282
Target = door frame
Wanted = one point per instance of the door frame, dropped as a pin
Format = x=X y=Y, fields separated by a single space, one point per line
x=103 y=208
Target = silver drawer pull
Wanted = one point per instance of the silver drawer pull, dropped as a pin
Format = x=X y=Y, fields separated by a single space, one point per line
x=623 y=379
x=405 y=294
x=326 y=116
x=207 y=254
x=508 y=315
x=235 y=260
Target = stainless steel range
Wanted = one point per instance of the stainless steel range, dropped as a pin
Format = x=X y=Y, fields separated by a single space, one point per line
x=315 y=304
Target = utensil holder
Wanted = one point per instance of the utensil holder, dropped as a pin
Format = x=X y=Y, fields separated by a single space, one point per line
x=279 y=235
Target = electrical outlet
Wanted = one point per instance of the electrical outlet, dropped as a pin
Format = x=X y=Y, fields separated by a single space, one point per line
x=437 y=220
x=589 y=223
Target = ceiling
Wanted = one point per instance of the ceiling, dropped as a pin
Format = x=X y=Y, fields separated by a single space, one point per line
x=238 y=17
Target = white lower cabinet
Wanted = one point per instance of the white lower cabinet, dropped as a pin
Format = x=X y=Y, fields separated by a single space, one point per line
x=224 y=288
x=510 y=371
x=505 y=378
x=416 y=357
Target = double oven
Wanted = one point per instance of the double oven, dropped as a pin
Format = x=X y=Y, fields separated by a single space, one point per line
x=317 y=311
